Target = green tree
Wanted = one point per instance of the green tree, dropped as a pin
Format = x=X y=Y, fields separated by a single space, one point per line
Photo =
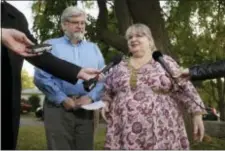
x=197 y=34
x=27 y=80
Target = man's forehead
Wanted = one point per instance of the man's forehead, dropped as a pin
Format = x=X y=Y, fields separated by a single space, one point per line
x=77 y=16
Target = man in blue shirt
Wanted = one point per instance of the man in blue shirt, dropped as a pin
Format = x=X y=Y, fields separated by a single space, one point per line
x=67 y=128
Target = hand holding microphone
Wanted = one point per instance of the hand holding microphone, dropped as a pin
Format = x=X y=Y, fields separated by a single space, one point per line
x=157 y=56
x=90 y=84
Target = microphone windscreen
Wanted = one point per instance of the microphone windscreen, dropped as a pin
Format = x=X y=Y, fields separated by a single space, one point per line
x=156 y=55
x=116 y=59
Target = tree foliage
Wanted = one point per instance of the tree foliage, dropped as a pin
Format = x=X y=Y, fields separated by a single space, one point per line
x=34 y=100
x=196 y=30
x=27 y=80
x=197 y=34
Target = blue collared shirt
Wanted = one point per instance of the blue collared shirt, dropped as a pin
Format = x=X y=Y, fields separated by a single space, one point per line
x=85 y=54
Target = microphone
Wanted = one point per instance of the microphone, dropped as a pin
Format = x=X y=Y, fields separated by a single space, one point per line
x=157 y=56
x=90 y=84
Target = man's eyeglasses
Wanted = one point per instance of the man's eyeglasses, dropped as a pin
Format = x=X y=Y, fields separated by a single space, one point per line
x=76 y=22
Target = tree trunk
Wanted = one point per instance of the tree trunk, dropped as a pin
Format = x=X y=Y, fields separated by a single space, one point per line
x=188 y=125
x=220 y=90
x=149 y=13
x=122 y=15
x=103 y=33
x=96 y=121
x=222 y=109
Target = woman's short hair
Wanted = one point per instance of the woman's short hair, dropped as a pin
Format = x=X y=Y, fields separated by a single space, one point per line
x=139 y=28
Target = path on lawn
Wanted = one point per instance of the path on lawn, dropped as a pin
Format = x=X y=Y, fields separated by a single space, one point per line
x=32 y=121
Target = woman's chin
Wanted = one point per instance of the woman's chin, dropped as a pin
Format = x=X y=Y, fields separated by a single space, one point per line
x=134 y=51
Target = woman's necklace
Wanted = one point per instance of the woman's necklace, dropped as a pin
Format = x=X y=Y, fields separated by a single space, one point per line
x=133 y=75
x=134 y=71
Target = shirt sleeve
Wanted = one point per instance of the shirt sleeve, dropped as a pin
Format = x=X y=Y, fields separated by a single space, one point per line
x=187 y=93
x=95 y=93
x=48 y=85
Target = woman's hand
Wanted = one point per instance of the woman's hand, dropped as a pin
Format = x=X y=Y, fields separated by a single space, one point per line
x=198 y=130
x=104 y=110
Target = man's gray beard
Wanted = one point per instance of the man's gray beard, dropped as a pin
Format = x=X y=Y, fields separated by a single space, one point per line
x=75 y=36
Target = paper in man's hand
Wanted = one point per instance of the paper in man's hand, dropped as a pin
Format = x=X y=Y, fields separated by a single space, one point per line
x=94 y=106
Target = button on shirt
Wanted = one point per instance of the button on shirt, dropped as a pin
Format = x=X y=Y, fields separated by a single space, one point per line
x=85 y=54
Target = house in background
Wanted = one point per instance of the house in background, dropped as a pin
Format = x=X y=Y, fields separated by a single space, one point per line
x=26 y=93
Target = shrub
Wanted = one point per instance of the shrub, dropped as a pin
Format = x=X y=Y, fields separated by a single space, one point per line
x=34 y=101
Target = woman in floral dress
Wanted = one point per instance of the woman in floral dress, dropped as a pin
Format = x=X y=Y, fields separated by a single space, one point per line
x=143 y=105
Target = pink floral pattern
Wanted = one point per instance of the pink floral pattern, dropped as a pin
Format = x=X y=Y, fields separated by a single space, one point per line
x=149 y=116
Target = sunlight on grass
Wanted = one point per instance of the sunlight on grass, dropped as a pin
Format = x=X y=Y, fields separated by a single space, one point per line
x=28 y=115
x=213 y=144
x=33 y=138
x=100 y=139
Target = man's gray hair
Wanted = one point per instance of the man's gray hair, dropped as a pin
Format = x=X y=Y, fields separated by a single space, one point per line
x=72 y=11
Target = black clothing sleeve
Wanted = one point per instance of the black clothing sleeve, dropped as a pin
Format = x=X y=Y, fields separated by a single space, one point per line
x=51 y=64
x=13 y=18
x=208 y=71
x=57 y=67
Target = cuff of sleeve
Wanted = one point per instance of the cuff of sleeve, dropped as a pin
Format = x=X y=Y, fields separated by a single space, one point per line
x=91 y=97
x=60 y=99
x=199 y=113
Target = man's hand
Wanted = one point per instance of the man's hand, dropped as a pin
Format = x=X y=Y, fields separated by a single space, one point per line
x=88 y=73
x=198 y=130
x=84 y=100
x=16 y=41
x=69 y=104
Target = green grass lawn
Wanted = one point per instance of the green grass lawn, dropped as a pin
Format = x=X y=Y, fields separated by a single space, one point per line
x=28 y=115
x=33 y=138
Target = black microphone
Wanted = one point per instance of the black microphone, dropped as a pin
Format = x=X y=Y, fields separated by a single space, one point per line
x=157 y=56
x=90 y=84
